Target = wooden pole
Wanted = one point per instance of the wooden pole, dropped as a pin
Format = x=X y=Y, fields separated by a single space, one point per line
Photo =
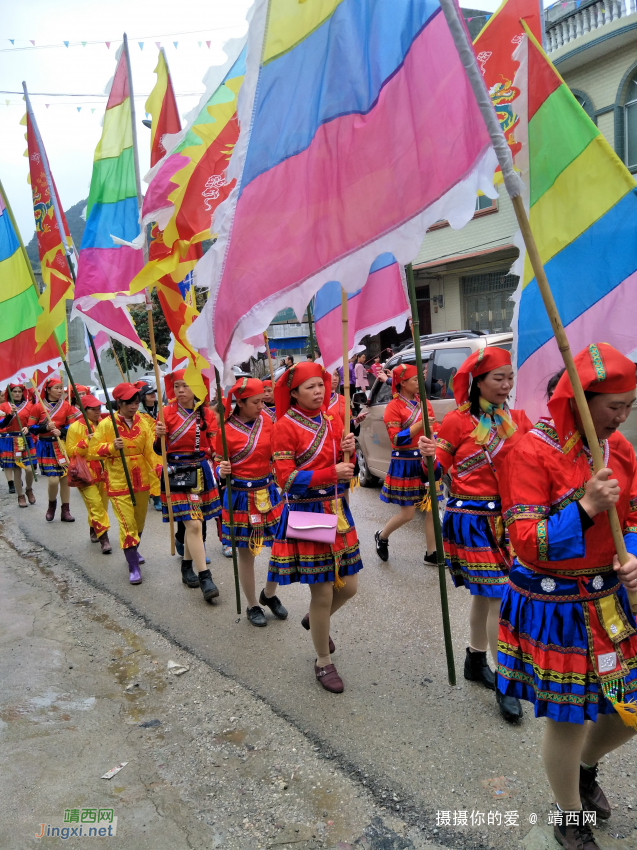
x=119 y=365
x=125 y=363
x=310 y=321
x=270 y=363
x=346 y=385
x=149 y=307
x=224 y=443
x=442 y=577
x=515 y=187
x=569 y=363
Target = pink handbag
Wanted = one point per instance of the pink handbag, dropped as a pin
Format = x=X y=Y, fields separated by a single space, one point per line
x=319 y=528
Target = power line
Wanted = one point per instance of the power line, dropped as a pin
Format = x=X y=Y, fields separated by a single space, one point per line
x=116 y=40
x=89 y=94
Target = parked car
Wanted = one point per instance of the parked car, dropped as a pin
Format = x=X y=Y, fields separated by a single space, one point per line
x=373 y=448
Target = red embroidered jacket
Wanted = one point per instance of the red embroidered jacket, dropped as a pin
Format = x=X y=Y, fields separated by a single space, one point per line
x=400 y=415
x=181 y=428
x=476 y=469
x=24 y=412
x=337 y=406
x=249 y=446
x=61 y=414
x=541 y=487
x=306 y=446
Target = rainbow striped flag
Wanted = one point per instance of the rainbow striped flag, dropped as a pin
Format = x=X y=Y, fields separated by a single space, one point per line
x=583 y=213
x=20 y=355
x=381 y=303
x=106 y=266
x=189 y=183
x=358 y=131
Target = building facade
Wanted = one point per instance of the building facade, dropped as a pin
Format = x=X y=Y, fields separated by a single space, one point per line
x=463 y=275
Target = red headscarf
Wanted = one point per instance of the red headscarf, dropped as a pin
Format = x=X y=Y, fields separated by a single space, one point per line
x=244 y=388
x=479 y=363
x=54 y=379
x=18 y=386
x=267 y=382
x=400 y=373
x=180 y=375
x=602 y=369
x=294 y=377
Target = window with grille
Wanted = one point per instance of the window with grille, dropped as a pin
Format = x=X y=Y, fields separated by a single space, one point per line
x=486 y=301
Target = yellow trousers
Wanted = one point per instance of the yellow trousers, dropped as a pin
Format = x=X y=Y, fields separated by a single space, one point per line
x=131 y=519
x=155 y=486
x=96 y=502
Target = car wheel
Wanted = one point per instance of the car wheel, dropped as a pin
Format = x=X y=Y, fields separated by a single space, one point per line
x=365 y=477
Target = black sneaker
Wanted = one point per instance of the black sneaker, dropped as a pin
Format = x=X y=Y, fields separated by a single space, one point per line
x=510 y=707
x=476 y=669
x=382 y=547
x=431 y=558
x=275 y=605
x=11 y=486
x=256 y=616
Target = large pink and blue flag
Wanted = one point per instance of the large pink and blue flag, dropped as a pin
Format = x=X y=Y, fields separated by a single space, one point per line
x=359 y=130
x=381 y=303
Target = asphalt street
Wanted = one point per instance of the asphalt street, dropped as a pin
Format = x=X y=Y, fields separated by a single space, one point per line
x=422 y=747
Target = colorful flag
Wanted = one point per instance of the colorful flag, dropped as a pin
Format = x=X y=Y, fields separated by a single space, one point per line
x=381 y=303
x=162 y=106
x=189 y=183
x=20 y=310
x=56 y=277
x=108 y=261
x=494 y=46
x=583 y=213
x=359 y=130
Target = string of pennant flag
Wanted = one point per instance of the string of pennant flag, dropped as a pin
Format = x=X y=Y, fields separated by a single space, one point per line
x=31 y=43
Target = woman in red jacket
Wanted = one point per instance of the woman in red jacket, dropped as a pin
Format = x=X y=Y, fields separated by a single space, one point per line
x=268 y=399
x=472 y=442
x=189 y=426
x=50 y=421
x=256 y=503
x=568 y=637
x=406 y=483
x=16 y=444
x=308 y=457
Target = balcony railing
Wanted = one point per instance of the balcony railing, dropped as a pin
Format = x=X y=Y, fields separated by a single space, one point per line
x=568 y=21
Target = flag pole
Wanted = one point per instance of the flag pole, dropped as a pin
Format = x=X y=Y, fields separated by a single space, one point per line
x=224 y=443
x=17 y=419
x=515 y=187
x=442 y=570
x=270 y=363
x=149 y=306
x=67 y=254
x=119 y=365
x=310 y=321
x=125 y=362
x=346 y=385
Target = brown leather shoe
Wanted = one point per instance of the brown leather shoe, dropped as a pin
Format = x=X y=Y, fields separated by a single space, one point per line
x=575 y=835
x=92 y=534
x=30 y=495
x=50 y=514
x=65 y=514
x=305 y=622
x=105 y=543
x=329 y=678
x=592 y=797
x=22 y=502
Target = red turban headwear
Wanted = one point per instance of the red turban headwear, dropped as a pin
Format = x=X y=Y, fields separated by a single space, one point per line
x=267 y=382
x=54 y=379
x=294 y=377
x=244 y=388
x=479 y=363
x=400 y=373
x=180 y=375
x=602 y=369
x=18 y=386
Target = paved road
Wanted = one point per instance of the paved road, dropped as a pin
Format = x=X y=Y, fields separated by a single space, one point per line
x=399 y=726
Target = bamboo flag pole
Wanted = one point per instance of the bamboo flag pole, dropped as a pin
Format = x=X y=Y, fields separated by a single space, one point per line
x=224 y=443
x=442 y=570
x=310 y=321
x=346 y=385
x=515 y=188
x=270 y=363
x=67 y=253
x=119 y=365
x=149 y=306
x=125 y=363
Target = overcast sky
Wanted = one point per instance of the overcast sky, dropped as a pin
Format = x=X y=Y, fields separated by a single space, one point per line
x=70 y=136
